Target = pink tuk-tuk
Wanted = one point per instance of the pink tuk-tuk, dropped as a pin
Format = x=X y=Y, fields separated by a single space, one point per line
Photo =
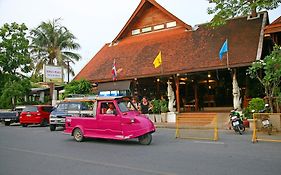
x=111 y=119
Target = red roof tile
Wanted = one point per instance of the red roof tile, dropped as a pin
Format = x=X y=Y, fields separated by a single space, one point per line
x=274 y=27
x=182 y=51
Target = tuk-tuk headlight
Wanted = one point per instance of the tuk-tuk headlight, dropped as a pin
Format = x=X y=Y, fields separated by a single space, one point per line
x=132 y=120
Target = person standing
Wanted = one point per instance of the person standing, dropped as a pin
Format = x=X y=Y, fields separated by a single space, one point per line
x=144 y=106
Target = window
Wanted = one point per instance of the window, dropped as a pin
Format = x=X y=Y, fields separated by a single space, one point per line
x=31 y=109
x=62 y=107
x=136 y=31
x=47 y=109
x=171 y=24
x=158 y=27
x=108 y=108
x=123 y=105
x=74 y=106
x=146 y=29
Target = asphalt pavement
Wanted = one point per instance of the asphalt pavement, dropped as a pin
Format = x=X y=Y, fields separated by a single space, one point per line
x=37 y=151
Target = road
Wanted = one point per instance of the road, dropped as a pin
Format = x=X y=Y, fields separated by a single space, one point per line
x=37 y=151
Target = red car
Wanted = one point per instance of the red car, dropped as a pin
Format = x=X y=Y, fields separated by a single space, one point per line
x=38 y=114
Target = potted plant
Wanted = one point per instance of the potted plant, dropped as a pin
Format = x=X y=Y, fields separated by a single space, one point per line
x=164 y=109
x=256 y=104
x=156 y=109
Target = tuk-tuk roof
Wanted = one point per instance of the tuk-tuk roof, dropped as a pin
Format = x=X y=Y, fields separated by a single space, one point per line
x=108 y=97
x=92 y=98
x=80 y=99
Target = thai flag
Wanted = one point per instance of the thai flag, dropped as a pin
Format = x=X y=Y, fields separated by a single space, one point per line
x=114 y=72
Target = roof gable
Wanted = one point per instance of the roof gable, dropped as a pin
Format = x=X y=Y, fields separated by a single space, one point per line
x=149 y=16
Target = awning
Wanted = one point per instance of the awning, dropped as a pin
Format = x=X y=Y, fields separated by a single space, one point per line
x=114 y=86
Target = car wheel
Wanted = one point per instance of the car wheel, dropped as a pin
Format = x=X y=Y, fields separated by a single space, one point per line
x=7 y=123
x=145 y=139
x=52 y=127
x=78 y=135
x=24 y=125
x=44 y=122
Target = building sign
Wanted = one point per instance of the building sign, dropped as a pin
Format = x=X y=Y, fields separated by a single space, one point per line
x=53 y=74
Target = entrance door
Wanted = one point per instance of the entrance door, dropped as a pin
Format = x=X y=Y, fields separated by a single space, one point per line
x=109 y=121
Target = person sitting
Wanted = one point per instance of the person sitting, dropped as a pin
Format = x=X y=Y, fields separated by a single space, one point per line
x=111 y=109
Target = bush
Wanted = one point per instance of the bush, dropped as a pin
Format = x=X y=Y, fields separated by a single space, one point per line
x=163 y=106
x=156 y=106
x=255 y=104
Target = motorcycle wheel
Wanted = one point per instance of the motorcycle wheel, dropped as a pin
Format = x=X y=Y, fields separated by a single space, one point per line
x=269 y=130
x=241 y=129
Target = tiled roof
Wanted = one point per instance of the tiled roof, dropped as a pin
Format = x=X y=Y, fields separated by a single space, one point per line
x=182 y=51
x=274 y=27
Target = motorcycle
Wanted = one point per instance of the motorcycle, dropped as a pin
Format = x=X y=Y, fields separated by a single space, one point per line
x=236 y=122
x=266 y=124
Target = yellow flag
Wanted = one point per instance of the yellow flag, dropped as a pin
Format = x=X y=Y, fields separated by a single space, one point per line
x=158 y=60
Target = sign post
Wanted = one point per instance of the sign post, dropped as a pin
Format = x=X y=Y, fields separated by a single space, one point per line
x=52 y=75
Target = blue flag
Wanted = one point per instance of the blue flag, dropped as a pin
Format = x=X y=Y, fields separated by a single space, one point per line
x=224 y=49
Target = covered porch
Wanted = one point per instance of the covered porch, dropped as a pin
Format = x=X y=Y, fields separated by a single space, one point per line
x=208 y=91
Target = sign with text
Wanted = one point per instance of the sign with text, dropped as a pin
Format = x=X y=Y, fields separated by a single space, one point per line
x=53 y=74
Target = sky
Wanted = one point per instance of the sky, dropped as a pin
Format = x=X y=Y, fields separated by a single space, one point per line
x=97 y=22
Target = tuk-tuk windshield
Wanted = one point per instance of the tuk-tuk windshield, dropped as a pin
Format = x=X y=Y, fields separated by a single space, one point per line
x=124 y=105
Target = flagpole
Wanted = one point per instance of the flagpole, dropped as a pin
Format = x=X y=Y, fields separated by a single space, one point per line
x=227 y=61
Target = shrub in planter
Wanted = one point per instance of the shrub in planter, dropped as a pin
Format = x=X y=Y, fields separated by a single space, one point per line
x=255 y=104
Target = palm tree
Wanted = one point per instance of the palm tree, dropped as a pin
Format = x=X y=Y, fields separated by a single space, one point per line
x=52 y=44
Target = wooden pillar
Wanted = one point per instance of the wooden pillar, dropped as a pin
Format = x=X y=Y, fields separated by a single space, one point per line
x=177 y=93
x=158 y=88
x=196 y=95
x=51 y=85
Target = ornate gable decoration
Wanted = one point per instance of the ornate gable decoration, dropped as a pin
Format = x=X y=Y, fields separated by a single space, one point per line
x=149 y=17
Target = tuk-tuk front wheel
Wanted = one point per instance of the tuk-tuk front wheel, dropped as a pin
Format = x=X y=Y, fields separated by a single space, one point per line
x=145 y=139
x=77 y=135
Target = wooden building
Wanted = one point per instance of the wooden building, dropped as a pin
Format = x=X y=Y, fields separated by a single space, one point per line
x=190 y=56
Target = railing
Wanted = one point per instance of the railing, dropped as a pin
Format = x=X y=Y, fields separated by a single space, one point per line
x=202 y=126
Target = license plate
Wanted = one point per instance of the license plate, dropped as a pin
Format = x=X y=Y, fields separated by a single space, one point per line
x=28 y=115
x=62 y=120
x=233 y=118
x=265 y=122
x=236 y=123
x=7 y=120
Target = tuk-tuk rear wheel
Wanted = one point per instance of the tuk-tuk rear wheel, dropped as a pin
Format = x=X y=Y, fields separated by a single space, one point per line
x=145 y=139
x=77 y=134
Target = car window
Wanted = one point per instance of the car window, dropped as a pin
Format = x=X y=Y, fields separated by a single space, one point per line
x=85 y=105
x=107 y=108
x=74 y=106
x=47 y=108
x=31 y=109
x=62 y=107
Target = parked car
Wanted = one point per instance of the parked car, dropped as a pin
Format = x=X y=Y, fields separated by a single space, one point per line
x=11 y=116
x=111 y=120
x=70 y=107
x=37 y=114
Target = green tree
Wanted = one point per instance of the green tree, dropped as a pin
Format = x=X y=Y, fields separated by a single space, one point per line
x=224 y=10
x=13 y=90
x=14 y=54
x=268 y=72
x=52 y=44
x=78 y=87
x=14 y=62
